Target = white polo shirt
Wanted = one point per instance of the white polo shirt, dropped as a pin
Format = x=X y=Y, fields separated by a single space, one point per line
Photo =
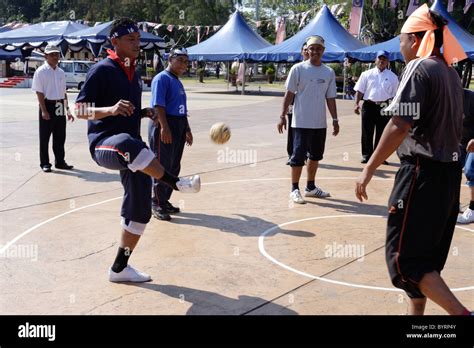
x=312 y=86
x=51 y=82
x=377 y=86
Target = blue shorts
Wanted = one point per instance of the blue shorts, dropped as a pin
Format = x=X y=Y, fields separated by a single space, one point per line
x=307 y=143
x=128 y=155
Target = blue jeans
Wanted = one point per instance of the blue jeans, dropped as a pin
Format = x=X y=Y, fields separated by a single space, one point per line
x=469 y=169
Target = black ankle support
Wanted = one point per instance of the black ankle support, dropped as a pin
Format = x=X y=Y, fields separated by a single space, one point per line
x=170 y=180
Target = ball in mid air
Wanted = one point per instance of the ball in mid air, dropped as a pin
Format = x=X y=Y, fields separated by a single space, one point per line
x=220 y=133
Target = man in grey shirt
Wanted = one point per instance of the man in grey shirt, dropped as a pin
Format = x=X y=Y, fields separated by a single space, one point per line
x=426 y=128
x=312 y=85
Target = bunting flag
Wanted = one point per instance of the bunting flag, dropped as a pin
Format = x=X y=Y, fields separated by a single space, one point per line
x=170 y=27
x=412 y=6
x=468 y=4
x=198 y=33
x=393 y=3
x=216 y=27
x=241 y=72
x=303 y=19
x=207 y=30
x=280 y=30
x=356 y=17
x=450 y=5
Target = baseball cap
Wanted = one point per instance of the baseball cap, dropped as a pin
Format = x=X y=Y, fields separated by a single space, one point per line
x=383 y=53
x=176 y=52
x=315 y=40
x=51 y=49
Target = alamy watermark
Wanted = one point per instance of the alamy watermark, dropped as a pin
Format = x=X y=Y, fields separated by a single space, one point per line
x=345 y=251
x=402 y=109
x=20 y=251
x=237 y=156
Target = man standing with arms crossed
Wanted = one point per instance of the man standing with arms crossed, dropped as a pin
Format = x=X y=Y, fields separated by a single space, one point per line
x=312 y=85
x=424 y=203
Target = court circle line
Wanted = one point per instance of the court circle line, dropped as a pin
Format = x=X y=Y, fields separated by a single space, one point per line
x=33 y=228
x=261 y=248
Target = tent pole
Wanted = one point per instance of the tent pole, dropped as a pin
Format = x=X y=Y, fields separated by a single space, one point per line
x=344 y=83
x=243 y=79
x=228 y=75
x=344 y=66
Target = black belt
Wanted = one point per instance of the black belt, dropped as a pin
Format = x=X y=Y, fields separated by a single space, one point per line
x=54 y=101
x=386 y=102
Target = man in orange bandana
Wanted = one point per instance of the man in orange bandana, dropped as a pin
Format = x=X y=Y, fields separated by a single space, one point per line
x=425 y=129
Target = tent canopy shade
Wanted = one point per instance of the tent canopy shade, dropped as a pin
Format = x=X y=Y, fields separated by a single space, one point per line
x=337 y=41
x=97 y=37
x=38 y=35
x=233 y=41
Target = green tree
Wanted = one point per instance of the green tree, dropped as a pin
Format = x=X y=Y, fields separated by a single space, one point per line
x=26 y=10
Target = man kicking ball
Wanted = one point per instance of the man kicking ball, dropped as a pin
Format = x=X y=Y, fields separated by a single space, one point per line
x=111 y=100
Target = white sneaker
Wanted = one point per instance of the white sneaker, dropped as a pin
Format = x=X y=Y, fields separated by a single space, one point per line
x=128 y=274
x=190 y=184
x=467 y=217
x=295 y=196
x=316 y=192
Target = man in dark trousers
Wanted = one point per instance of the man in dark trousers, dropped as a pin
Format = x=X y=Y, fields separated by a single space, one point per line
x=426 y=128
x=111 y=101
x=170 y=131
x=376 y=86
x=49 y=83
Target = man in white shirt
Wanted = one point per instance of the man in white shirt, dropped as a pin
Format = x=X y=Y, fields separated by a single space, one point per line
x=312 y=85
x=49 y=83
x=376 y=86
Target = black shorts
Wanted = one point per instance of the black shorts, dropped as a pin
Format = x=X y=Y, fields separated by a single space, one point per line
x=307 y=143
x=423 y=209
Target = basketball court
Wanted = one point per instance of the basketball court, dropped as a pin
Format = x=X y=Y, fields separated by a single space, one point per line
x=238 y=247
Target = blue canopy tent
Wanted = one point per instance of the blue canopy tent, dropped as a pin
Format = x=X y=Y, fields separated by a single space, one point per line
x=97 y=37
x=466 y=40
x=235 y=39
x=367 y=54
x=38 y=35
x=10 y=55
x=338 y=41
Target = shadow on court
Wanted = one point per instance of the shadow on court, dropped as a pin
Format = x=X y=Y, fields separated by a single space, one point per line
x=87 y=175
x=211 y=303
x=349 y=207
x=244 y=226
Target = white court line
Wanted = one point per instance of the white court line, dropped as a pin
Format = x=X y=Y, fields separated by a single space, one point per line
x=261 y=248
x=31 y=229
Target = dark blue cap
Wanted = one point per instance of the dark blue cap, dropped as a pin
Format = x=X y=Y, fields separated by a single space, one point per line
x=383 y=53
